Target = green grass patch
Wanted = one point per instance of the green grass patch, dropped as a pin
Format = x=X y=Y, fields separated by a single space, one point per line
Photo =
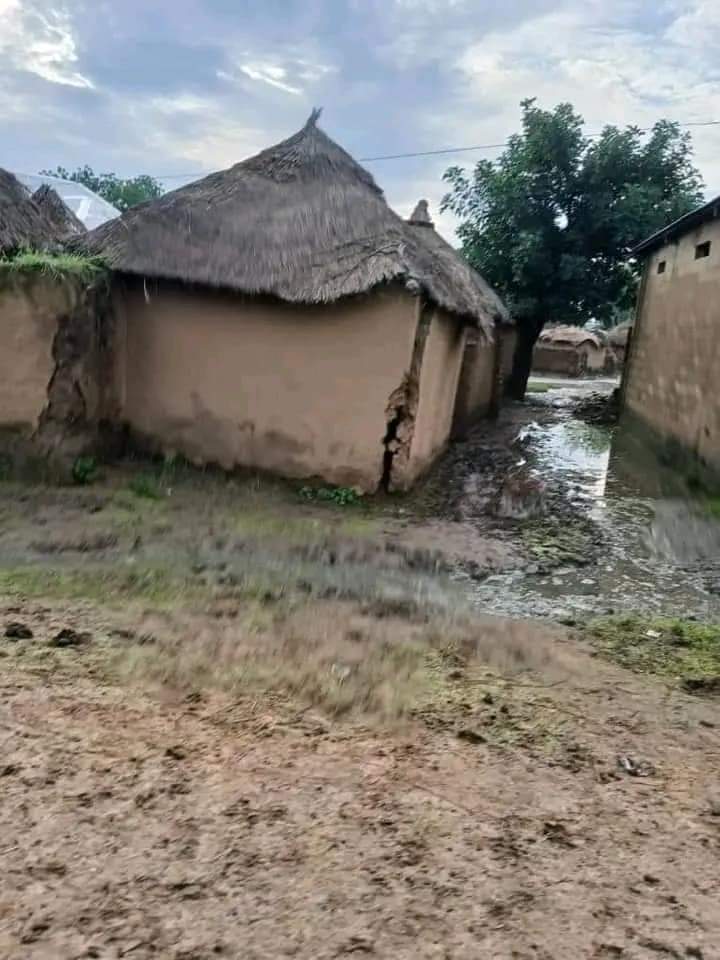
x=712 y=506
x=265 y=522
x=85 y=470
x=147 y=486
x=58 y=266
x=683 y=650
x=535 y=387
x=340 y=496
x=109 y=587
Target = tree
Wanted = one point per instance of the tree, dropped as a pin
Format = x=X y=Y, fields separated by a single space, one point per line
x=121 y=193
x=551 y=222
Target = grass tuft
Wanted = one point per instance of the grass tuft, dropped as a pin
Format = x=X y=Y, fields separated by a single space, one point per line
x=681 y=650
x=58 y=266
x=106 y=587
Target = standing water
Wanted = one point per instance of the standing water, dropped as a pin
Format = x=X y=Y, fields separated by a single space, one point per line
x=657 y=554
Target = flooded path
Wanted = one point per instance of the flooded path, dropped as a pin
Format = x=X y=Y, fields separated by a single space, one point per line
x=655 y=554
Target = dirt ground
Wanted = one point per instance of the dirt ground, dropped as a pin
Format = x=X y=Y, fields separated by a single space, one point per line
x=235 y=724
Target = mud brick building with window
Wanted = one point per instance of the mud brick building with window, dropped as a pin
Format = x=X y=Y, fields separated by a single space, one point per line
x=671 y=381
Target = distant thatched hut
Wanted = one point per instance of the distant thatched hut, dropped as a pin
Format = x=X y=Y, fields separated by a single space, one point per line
x=22 y=224
x=61 y=218
x=618 y=338
x=571 y=351
x=280 y=315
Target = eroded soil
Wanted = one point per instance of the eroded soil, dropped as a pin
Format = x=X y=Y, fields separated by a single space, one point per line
x=575 y=814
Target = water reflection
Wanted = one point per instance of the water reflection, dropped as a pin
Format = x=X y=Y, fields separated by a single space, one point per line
x=660 y=551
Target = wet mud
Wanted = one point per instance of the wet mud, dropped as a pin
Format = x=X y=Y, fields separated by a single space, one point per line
x=636 y=548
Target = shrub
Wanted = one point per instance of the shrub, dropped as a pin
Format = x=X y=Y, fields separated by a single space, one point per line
x=84 y=470
x=342 y=496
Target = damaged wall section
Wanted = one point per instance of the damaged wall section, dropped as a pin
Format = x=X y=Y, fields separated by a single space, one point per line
x=419 y=412
x=54 y=370
x=401 y=411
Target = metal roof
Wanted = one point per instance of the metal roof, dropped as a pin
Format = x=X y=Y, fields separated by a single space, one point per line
x=708 y=211
x=88 y=206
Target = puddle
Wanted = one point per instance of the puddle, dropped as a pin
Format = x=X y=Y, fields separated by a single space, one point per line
x=659 y=554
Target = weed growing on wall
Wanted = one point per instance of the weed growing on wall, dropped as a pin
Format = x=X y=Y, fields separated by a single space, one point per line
x=57 y=266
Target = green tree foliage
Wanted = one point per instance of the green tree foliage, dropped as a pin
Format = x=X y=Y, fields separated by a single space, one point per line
x=121 y=193
x=551 y=222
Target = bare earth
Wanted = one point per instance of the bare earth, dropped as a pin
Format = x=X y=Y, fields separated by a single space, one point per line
x=396 y=784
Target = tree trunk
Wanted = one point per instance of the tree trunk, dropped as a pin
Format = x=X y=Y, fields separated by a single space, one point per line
x=527 y=333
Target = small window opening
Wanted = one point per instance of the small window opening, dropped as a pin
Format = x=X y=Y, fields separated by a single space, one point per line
x=702 y=250
x=661 y=266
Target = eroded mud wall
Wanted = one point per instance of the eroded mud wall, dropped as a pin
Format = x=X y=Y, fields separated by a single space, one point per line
x=55 y=380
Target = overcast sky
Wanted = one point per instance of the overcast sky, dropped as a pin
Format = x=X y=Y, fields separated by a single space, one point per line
x=186 y=86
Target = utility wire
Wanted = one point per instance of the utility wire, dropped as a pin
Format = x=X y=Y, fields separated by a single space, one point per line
x=437 y=153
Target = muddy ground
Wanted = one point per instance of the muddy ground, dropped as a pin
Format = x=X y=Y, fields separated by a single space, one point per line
x=238 y=722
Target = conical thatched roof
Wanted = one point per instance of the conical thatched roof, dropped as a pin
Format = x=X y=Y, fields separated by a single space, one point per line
x=301 y=221
x=453 y=275
x=22 y=223
x=64 y=222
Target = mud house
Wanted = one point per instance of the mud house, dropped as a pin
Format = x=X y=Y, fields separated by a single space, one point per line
x=618 y=338
x=51 y=381
x=280 y=315
x=485 y=360
x=670 y=383
x=571 y=351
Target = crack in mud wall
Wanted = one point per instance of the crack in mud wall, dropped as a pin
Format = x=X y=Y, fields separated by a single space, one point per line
x=70 y=423
x=401 y=411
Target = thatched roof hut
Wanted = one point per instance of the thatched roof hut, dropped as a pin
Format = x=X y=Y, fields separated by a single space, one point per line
x=302 y=221
x=435 y=255
x=570 y=336
x=22 y=223
x=618 y=336
x=64 y=222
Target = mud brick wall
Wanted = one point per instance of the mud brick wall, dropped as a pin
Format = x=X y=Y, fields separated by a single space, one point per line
x=561 y=359
x=672 y=379
x=55 y=372
x=479 y=384
x=327 y=391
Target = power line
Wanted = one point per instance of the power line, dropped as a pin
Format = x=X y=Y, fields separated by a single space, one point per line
x=444 y=151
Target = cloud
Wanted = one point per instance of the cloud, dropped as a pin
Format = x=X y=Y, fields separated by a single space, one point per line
x=205 y=89
x=290 y=74
x=601 y=58
x=198 y=133
x=271 y=74
x=37 y=38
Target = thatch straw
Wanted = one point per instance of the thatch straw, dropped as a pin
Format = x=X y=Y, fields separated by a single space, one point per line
x=569 y=336
x=22 y=224
x=64 y=222
x=420 y=217
x=454 y=277
x=301 y=221
x=618 y=336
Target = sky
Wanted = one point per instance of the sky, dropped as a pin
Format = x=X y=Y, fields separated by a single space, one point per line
x=176 y=88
